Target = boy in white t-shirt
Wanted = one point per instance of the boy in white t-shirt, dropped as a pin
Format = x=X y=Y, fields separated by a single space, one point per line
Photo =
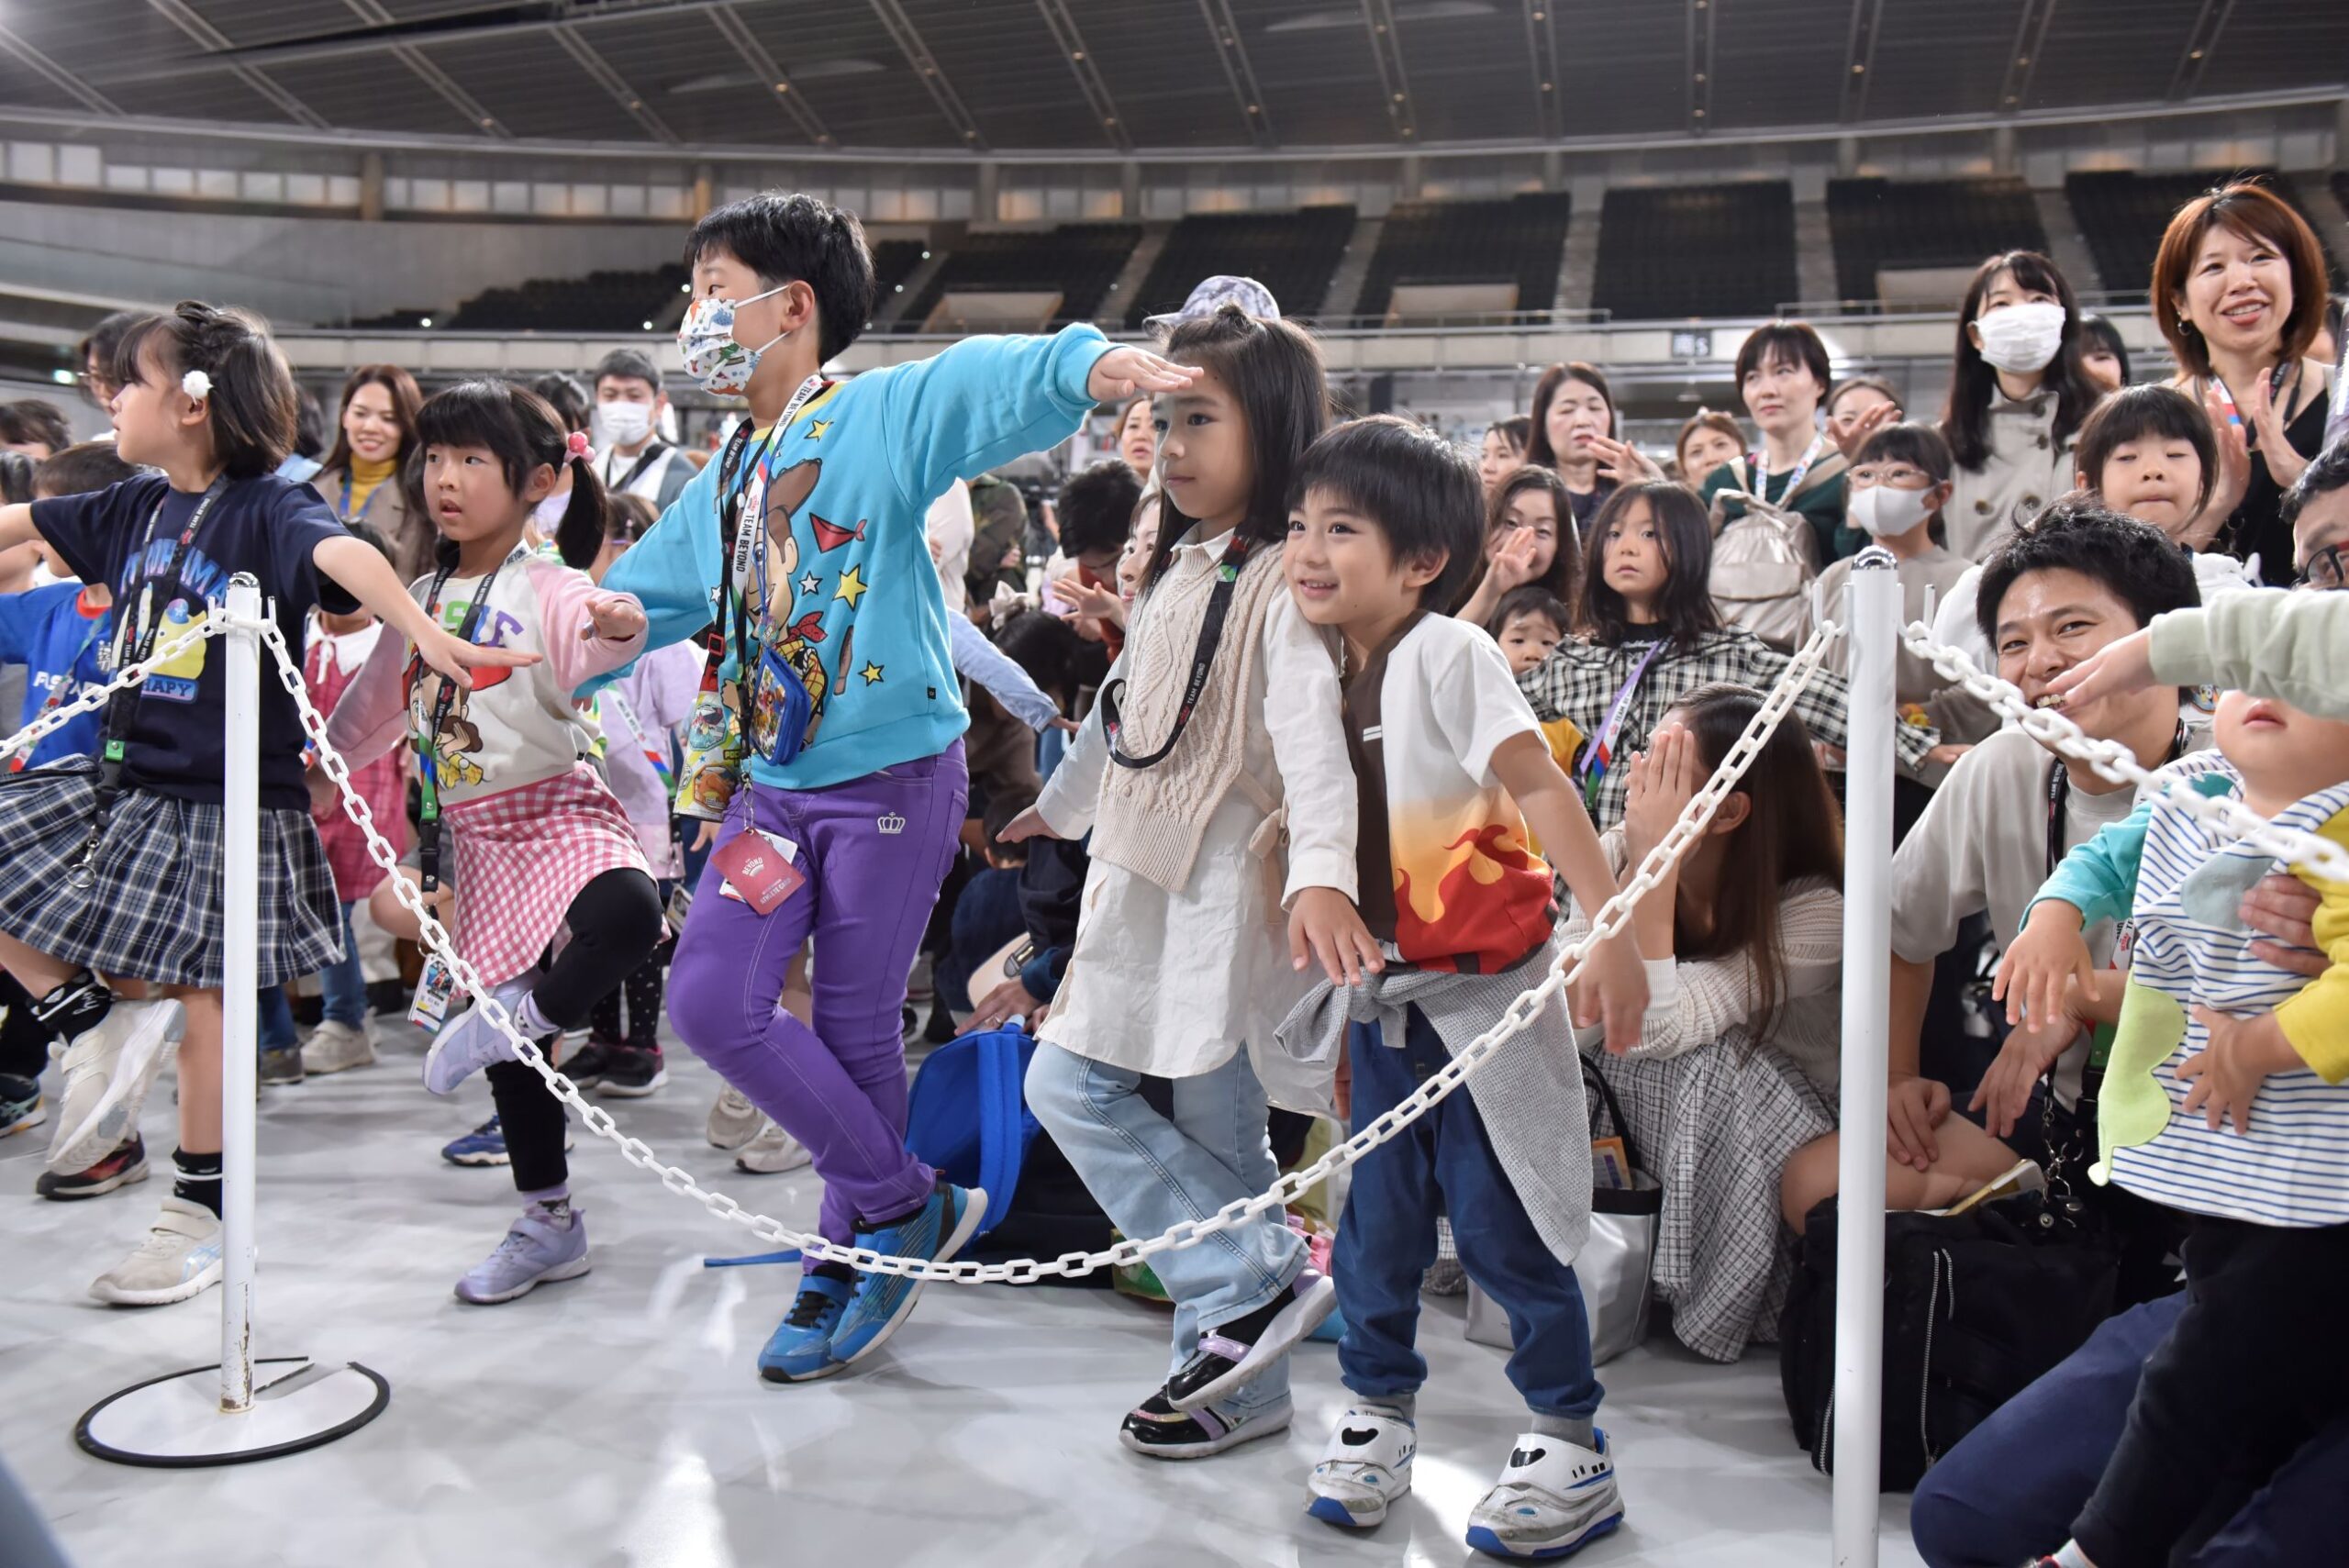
x=1450 y=761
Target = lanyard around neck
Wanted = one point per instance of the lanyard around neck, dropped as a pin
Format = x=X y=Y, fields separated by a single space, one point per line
x=426 y=744
x=1794 y=475
x=1227 y=579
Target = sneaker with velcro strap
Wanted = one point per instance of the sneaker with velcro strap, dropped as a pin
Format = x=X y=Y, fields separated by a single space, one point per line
x=1234 y=1354
x=1363 y=1470
x=1156 y=1429
x=1554 y=1498
x=109 y=1067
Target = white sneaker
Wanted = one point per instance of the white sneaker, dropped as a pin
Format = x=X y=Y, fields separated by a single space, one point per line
x=733 y=1121
x=334 y=1046
x=108 y=1070
x=180 y=1258
x=467 y=1043
x=772 y=1152
x=1364 y=1468
x=1553 y=1497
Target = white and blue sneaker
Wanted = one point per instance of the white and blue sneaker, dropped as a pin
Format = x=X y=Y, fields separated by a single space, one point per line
x=467 y=1043
x=485 y=1145
x=936 y=1232
x=1555 y=1497
x=1366 y=1467
x=180 y=1258
x=800 y=1348
x=537 y=1250
x=109 y=1067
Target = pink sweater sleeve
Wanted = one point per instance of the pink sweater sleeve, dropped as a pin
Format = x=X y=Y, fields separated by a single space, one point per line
x=564 y=596
x=372 y=716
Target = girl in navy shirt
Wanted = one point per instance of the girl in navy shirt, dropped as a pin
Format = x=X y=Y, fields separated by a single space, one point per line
x=111 y=865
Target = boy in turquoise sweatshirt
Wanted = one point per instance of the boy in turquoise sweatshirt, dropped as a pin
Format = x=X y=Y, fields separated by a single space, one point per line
x=829 y=737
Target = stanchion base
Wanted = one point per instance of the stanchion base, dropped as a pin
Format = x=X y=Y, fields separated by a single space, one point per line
x=175 y=1421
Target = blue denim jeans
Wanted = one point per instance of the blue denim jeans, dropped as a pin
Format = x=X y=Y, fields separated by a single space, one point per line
x=2011 y=1490
x=1444 y=1163
x=345 y=989
x=1149 y=1171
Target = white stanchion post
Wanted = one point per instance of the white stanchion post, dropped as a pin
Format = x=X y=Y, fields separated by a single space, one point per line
x=208 y=1414
x=1872 y=617
x=240 y=997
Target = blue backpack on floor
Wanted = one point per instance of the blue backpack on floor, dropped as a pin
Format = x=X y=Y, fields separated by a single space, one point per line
x=968 y=1116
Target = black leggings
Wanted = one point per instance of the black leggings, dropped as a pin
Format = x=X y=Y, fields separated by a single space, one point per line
x=615 y=921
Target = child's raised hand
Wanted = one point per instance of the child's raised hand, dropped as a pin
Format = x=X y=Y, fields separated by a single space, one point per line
x=2048 y=952
x=2120 y=666
x=1126 y=370
x=1615 y=975
x=1324 y=924
x=453 y=656
x=2226 y=1072
x=1513 y=560
x=615 y=620
x=1028 y=824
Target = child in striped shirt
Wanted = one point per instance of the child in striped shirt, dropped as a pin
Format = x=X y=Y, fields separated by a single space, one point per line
x=2209 y=1032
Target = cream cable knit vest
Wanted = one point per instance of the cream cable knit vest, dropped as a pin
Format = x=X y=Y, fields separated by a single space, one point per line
x=1152 y=819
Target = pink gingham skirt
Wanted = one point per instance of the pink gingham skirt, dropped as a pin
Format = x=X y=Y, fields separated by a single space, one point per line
x=522 y=855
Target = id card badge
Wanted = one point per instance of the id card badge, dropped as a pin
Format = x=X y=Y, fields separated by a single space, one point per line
x=434 y=989
x=680 y=903
x=758 y=868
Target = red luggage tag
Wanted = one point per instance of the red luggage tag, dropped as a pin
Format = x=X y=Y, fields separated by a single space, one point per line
x=758 y=869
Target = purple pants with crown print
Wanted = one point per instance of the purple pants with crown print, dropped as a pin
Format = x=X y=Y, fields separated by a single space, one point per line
x=873 y=850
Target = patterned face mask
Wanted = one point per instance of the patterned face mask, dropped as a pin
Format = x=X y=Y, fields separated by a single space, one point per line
x=718 y=362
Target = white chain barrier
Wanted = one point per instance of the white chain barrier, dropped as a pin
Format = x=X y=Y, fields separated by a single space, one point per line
x=2050 y=728
x=2044 y=725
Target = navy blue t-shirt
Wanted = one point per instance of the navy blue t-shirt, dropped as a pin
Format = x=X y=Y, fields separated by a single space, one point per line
x=263 y=526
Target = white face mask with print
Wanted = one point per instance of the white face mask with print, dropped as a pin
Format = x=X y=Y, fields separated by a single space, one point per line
x=2021 y=339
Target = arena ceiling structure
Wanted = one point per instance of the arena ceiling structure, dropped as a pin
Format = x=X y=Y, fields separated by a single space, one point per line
x=1086 y=79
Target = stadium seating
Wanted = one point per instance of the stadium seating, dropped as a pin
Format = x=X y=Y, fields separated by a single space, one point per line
x=1292 y=253
x=894 y=262
x=1079 y=259
x=2124 y=214
x=1517 y=240
x=1878 y=223
x=600 y=301
x=1674 y=251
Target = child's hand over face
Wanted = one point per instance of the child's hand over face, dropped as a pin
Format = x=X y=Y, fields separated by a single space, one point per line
x=1324 y=924
x=452 y=656
x=2048 y=953
x=2227 y=1072
x=1665 y=779
x=1125 y=370
x=613 y=620
x=1615 y=980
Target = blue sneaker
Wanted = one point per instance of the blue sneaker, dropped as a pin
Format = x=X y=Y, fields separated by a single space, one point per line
x=936 y=1232
x=466 y=1043
x=485 y=1145
x=1554 y=1498
x=800 y=1350
x=536 y=1250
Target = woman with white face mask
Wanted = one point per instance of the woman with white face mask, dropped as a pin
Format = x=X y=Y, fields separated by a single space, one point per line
x=1896 y=490
x=2017 y=394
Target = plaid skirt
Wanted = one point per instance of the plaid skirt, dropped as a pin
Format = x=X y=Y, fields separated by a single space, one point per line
x=1716 y=1127
x=154 y=911
x=522 y=855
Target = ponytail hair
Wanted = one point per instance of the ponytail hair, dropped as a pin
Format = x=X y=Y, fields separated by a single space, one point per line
x=250 y=410
x=526 y=433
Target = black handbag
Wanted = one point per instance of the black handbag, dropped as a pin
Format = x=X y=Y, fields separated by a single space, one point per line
x=1977 y=1307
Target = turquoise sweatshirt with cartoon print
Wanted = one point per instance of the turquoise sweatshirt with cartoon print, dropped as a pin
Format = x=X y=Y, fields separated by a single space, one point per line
x=849 y=637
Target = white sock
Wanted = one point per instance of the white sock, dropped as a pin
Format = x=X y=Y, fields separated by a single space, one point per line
x=532 y=1023
x=2069 y=1555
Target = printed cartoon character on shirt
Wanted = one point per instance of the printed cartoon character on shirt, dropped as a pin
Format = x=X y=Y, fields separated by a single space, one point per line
x=180 y=611
x=459 y=738
x=788 y=694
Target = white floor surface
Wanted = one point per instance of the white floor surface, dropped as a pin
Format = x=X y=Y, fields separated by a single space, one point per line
x=616 y=1420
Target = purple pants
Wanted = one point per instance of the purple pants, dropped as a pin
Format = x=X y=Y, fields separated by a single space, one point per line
x=839 y=1087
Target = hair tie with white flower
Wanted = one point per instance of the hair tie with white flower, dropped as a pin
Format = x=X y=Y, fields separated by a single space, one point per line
x=577 y=446
x=196 y=384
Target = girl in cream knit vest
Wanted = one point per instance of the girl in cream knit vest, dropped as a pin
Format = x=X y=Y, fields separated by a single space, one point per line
x=1195 y=786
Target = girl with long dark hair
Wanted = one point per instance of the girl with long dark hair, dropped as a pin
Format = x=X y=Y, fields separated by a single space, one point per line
x=2018 y=393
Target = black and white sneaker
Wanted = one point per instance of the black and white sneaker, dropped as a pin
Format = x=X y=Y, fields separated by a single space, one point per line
x=118 y=1168
x=588 y=1064
x=632 y=1072
x=1235 y=1353
x=1156 y=1429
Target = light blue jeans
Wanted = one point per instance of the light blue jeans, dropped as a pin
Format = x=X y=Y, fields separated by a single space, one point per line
x=1149 y=1171
x=342 y=985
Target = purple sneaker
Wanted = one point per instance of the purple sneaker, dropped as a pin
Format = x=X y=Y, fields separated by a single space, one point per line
x=536 y=1249
x=467 y=1043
